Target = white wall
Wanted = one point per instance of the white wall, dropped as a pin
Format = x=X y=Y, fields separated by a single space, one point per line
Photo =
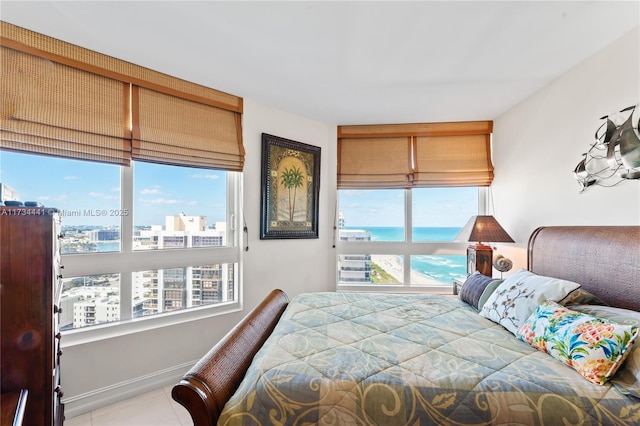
x=537 y=144
x=295 y=265
x=99 y=373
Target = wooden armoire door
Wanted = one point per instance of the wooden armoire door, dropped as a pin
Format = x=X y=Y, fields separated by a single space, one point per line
x=29 y=292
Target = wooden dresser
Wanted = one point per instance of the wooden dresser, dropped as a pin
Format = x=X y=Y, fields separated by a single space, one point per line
x=30 y=285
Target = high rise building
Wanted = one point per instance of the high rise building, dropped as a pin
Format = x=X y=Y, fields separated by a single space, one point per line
x=353 y=268
x=176 y=288
x=7 y=193
x=185 y=223
x=182 y=231
x=159 y=290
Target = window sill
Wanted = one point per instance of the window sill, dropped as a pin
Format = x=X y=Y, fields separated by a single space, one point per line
x=99 y=332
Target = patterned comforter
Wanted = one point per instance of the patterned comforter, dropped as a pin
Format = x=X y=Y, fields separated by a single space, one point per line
x=364 y=359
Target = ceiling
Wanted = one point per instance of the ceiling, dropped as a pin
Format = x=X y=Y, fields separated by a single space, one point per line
x=349 y=62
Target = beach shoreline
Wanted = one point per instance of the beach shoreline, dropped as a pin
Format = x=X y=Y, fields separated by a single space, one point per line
x=391 y=264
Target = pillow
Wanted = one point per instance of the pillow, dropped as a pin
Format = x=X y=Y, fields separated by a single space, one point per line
x=520 y=294
x=627 y=379
x=619 y=315
x=488 y=291
x=592 y=346
x=580 y=296
x=473 y=287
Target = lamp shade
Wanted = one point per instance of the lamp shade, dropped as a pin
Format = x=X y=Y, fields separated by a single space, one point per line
x=483 y=228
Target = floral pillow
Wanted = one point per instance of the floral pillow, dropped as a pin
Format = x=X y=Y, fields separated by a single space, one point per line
x=520 y=294
x=592 y=346
x=627 y=379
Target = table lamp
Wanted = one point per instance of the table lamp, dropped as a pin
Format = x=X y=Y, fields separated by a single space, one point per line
x=478 y=229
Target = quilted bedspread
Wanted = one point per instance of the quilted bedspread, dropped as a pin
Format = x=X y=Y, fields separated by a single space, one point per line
x=365 y=359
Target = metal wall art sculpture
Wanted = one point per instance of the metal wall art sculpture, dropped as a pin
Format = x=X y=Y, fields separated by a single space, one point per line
x=615 y=155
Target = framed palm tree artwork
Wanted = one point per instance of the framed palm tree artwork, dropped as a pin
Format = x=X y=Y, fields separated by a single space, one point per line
x=290 y=189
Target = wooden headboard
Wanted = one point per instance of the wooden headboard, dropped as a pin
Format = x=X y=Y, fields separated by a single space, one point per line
x=604 y=259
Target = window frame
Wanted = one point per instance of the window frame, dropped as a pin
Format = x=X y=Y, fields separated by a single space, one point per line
x=405 y=248
x=127 y=261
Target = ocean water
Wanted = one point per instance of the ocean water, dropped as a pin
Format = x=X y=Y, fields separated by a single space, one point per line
x=393 y=233
x=442 y=268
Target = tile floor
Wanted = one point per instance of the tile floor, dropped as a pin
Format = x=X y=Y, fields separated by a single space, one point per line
x=155 y=408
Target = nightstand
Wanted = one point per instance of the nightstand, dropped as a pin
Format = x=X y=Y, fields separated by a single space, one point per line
x=457 y=284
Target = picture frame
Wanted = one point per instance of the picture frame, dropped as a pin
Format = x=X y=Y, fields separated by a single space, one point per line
x=290 y=189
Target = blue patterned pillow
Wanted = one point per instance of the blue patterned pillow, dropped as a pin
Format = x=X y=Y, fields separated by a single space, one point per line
x=474 y=287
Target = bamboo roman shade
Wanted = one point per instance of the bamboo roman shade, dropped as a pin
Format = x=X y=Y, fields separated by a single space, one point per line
x=374 y=163
x=172 y=129
x=54 y=109
x=415 y=155
x=64 y=100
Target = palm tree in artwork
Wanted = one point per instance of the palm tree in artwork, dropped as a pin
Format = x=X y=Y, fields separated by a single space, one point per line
x=292 y=179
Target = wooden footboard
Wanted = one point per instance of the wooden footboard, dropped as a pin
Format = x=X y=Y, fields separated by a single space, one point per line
x=207 y=386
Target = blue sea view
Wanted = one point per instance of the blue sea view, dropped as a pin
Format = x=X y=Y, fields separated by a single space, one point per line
x=394 y=233
x=442 y=268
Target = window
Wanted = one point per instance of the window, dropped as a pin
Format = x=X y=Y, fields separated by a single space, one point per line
x=178 y=207
x=377 y=249
x=144 y=168
x=86 y=193
x=112 y=244
x=404 y=193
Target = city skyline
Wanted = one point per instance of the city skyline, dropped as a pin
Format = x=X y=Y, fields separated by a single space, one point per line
x=95 y=299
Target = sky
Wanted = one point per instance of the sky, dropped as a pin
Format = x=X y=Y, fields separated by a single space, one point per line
x=432 y=207
x=88 y=193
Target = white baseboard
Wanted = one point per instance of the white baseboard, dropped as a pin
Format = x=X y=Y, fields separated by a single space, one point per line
x=76 y=405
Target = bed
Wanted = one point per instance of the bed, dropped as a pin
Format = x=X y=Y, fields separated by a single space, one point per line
x=361 y=358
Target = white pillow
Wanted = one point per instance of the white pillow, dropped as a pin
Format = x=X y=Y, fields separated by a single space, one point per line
x=520 y=294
